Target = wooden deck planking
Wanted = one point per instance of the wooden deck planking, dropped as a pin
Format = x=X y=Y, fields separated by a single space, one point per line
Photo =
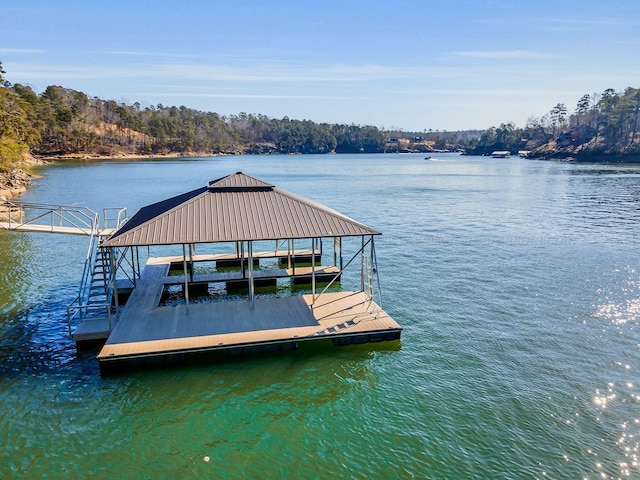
x=286 y=319
x=92 y=329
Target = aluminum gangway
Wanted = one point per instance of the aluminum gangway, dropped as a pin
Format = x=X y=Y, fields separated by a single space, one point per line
x=89 y=317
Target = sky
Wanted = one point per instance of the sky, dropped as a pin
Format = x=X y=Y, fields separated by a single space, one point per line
x=402 y=64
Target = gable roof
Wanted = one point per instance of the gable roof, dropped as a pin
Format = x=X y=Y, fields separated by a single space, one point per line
x=237 y=207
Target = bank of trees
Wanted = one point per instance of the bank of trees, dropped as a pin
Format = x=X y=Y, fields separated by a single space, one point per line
x=606 y=123
x=19 y=125
x=62 y=121
x=601 y=124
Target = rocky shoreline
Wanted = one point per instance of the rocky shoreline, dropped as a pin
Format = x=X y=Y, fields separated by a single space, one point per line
x=13 y=184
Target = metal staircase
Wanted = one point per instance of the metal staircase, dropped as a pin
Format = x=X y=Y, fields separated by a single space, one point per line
x=91 y=314
x=98 y=292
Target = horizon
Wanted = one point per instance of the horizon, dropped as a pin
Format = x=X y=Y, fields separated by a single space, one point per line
x=410 y=66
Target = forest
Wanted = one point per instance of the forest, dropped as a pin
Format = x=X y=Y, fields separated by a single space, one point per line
x=602 y=125
x=63 y=122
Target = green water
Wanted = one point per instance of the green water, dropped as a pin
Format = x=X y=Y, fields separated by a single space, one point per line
x=516 y=282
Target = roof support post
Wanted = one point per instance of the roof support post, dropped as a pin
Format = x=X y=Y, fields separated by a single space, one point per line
x=135 y=277
x=186 y=277
x=374 y=261
x=251 y=285
x=313 y=270
x=362 y=265
x=242 y=262
x=337 y=251
x=191 y=249
x=114 y=285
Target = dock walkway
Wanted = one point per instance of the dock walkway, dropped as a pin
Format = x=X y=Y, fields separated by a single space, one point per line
x=66 y=230
x=297 y=255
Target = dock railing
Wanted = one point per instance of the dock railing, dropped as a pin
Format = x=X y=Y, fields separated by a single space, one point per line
x=40 y=217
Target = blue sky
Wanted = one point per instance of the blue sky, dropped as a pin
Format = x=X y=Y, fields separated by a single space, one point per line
x=414 y=65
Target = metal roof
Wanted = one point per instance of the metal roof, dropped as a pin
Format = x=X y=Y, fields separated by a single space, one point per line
x=237 y=207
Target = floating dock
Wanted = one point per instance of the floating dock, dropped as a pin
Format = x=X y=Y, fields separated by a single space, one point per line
x=149 y=333
x=215 y=303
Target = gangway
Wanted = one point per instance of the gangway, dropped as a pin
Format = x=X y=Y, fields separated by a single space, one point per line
x=44 y=218
x=89 y=316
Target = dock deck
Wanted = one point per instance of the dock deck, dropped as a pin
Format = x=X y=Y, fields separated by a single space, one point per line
x=345 y=317
x=147 y=330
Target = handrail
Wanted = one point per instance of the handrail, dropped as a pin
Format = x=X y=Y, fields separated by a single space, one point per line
x=78 y=220
x=81 y=310
x=80 y=217
x=120 y=217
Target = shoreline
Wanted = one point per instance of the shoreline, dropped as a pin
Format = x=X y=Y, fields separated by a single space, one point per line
x=14 y=183
x=125 y=156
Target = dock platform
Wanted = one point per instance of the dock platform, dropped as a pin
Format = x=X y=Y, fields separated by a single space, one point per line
x=148 y=332
x=237 y=327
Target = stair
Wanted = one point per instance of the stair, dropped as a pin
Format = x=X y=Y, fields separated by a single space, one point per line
x=99 y=294
x=98 y=287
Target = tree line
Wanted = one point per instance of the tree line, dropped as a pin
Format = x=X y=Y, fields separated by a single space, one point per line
x=62 y=121
x=602 y=124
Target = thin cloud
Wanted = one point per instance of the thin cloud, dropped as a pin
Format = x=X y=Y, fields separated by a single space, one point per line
x=137 y=53
x=245 y=95
x=592 y=22
x=26 y=51
x=267 y=73
x=504 y=54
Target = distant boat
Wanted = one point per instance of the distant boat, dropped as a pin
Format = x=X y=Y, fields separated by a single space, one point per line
x=501 y=154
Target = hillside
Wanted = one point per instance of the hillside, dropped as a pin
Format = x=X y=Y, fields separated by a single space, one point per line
x=64 y=123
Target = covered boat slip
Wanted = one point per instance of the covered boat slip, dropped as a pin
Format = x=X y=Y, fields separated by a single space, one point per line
x=237 y=315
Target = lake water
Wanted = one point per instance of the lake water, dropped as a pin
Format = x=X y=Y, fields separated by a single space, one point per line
x=517 y=283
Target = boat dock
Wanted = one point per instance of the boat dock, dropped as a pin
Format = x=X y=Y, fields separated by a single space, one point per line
x=229 y=300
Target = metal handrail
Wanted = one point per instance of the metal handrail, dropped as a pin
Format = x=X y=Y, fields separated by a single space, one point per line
x=120 y=218
x=80 y=311
x=59 y=215
x=81 y=306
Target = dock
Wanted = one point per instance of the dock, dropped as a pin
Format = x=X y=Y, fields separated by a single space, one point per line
x=34 y=228
x=148 y=332
x=231 y=277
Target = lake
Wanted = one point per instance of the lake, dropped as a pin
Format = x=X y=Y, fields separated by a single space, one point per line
x=517 y=283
